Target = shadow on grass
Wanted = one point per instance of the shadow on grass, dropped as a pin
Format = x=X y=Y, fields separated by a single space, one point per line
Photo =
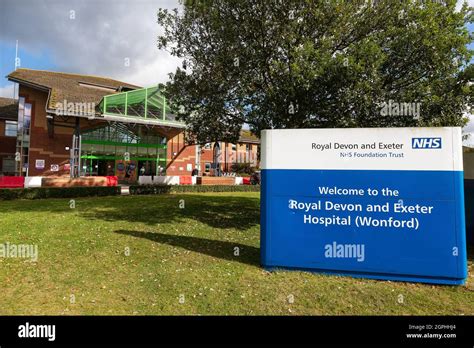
x=220 y=249
x=221 y=211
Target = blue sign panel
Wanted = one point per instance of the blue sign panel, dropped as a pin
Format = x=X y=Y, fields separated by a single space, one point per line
x=375 y=203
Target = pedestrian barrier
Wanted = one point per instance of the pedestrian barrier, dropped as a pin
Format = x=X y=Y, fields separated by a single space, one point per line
x=12 y=181
x=33 y=181
x=185 y=180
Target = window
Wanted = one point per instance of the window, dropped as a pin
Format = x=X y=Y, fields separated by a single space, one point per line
x=99 y=87
x=247 y=147
x=11 y=128
x=24 y=117
x=208 y=167
x=207 y=146
x=23 y=140
x=27 y=118
x=234 y=147
x=8 y=166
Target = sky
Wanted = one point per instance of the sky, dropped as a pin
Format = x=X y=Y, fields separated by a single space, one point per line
x=93 y=37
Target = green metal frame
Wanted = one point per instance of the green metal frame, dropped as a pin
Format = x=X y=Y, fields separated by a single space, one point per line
x=104 y=142
x=92 y=157
x=116 y=131
x=104 y=157
x=146 y=103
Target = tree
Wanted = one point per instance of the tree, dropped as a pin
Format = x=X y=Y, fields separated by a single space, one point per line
x=313 y=64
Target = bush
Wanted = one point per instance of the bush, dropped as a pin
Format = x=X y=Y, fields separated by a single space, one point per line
x=243 y=168
x=163 y=189
x=58 y=192
x=149 y=189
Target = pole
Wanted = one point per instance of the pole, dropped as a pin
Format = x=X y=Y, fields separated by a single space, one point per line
x=16 y=65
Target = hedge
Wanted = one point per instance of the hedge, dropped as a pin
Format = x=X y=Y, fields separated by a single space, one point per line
x=58 y=192
x=163 y=189
x=243 y=168
x=91 y=191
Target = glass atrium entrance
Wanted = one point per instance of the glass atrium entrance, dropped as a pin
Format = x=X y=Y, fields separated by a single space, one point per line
x=127 y=151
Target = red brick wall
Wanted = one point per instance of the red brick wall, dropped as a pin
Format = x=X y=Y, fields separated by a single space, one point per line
x=212 y=180
x=42 y=147
x=7 y=146
x=180 y=156
x=228 y=156
x=68 y=182
x=207 y=156
x=52 y=149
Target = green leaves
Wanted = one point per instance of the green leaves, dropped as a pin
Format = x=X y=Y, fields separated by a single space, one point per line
x=298 y=64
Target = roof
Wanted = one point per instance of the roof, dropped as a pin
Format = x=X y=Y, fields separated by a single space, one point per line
x=74 y=88
x=140 y=105
x=247 y=137
x=8 y=109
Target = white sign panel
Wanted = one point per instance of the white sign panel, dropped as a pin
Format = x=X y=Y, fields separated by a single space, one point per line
x=39 y=164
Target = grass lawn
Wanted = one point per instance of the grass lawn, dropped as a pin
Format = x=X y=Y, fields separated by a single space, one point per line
x=139 y=255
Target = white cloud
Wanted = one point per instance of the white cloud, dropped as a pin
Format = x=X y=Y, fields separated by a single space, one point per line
x=470 y=126
x=469 y=129
x=146 y=74
x=93 y=37
x=97 y=38
x=7 y=91
x=460 y=2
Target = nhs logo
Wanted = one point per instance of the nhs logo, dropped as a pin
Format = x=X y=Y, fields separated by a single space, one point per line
x=426 y=143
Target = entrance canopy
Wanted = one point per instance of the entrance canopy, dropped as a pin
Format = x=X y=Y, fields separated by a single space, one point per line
x=106 y=149
x=145 y=106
